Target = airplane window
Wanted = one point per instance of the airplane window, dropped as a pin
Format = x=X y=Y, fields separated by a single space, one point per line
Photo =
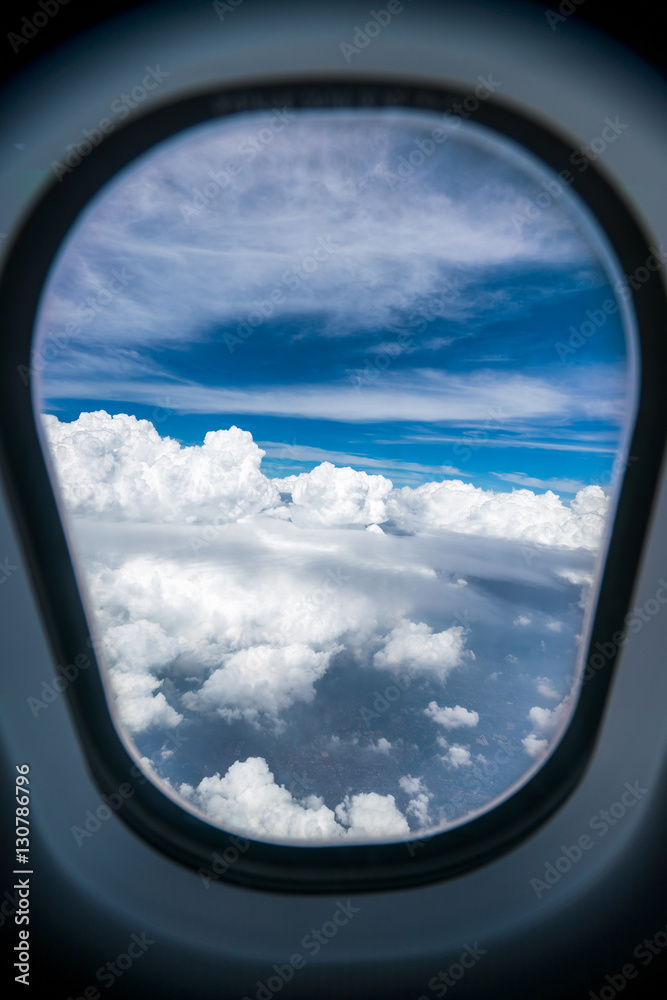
x=337 y=402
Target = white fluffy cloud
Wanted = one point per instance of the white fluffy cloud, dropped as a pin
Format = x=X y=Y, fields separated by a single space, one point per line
x=139 y=707
x=411 y=785
x=134 y=650
x=261 y=679
x=457 y=757
x=545 y=720
x=121 y=468
x=248 y=799
x=418 y=806
x=213 y=595
x=370 y=815
x=534 y=746
x=329 y=495
x=413 y=648
x=523 y=516
x=451 y=718
x=545 y=687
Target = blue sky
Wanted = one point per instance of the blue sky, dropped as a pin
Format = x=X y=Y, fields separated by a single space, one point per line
x=413 y=328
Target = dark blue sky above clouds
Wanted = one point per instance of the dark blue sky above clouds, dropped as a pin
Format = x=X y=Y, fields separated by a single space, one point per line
x=382 y=423
x=433 y=316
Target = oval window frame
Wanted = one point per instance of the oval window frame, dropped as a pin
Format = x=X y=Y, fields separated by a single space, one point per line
x=149 y=811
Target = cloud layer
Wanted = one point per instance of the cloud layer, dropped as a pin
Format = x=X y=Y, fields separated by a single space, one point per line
x=225 y=598
x=248 y=800
x=120 y=468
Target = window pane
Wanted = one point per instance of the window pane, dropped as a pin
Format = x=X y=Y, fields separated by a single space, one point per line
x=337 y=402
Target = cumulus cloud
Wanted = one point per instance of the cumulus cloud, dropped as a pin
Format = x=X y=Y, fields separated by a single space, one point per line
x=537 y=519
x=413 y=648
x=139 y=708
x=457 y=757
x=411 y=785
x=534 y=746
x=576 y=576
x=248 y=799
x=545 y=720
x=135 y=650
x=370 y=815
x=545 y=687
x=330 y=496
x=418 y=806
x=215 y=597
x=261 y=679
x=451 y=718
x=121 y=468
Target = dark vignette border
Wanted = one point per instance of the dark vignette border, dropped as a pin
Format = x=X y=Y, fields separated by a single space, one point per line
x=150 y=813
